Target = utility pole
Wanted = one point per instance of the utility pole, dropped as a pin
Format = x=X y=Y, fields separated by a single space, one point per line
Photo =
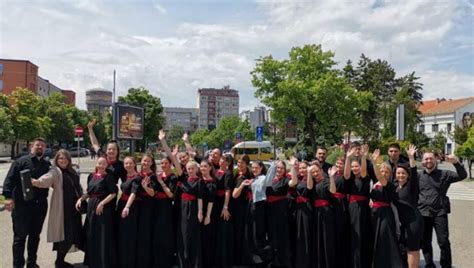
x=114 y=113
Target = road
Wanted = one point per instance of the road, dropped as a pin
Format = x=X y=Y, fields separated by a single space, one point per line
x=461 y=224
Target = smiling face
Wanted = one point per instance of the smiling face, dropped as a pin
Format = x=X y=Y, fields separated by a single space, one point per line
x=165 y=164
x=401 y=175
x=302 y=169
x=205 y=168
x=355 y=167
x=146 y=164
x=256 y=169
x=37 y=148
x=101 y=165
x=129 y=164
x=394 y=154
x=191 y=168
x=429 y=161
x=385 y=171
x=340 y=165
x=241 y=165
x=316 y=172
x=112 y=151
x=321 y=155
x=280 y=169
x=62 y=161
x=183 y=158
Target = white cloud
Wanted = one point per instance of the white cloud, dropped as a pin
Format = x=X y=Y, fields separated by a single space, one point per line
x=78 y=44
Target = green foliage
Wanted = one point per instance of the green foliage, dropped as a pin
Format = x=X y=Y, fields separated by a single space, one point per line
x=333 y=153
x=307 y=87
x=199 y=137
x=153 y=109
x=438 y=142
x=6 y=129
x=385 y=143
x=174 y=135
x=466 y=149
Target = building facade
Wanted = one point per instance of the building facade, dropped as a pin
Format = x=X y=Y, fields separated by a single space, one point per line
x=99 y=99
x=46 y=88
x=214 y=104
x=18 y=73
x=70 y=96
x=187 y=118
x=443 y=115
x=256 y=118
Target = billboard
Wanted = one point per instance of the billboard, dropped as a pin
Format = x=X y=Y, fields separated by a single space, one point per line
x=129 y=122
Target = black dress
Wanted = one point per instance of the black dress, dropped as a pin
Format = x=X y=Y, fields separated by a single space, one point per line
x=72 y=218
x=239 y=211
x=277 y=221
x=342 y=227
x=410 y=217
x=145 y=223
x=127 y=228
x=304 y=236
x=386 y=251
x=224 y=239
x=188 y=233
x=100 y=249
x=324 y=241
x=208 y=232
x=164 y=233
x=359 y=212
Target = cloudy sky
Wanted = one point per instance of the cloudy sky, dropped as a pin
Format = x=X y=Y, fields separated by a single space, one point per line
x=175 y=47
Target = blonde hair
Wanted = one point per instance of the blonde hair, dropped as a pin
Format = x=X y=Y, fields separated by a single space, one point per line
x=386 y=166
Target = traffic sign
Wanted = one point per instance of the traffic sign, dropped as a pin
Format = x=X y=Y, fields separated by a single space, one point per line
x=78 y=139
x=259 y=133
x=78 y=131
x=238 y=136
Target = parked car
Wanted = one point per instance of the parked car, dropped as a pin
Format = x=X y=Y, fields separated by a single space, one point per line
x=74 y=152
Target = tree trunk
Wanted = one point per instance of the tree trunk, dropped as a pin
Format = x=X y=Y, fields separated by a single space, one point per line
x=12 y=150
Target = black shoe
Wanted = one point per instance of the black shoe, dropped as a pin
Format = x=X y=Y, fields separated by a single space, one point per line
x=34 y=265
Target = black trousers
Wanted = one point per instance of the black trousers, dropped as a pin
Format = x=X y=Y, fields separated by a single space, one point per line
x=28 y=218
x=440 y=224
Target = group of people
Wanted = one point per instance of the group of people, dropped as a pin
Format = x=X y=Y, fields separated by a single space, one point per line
x=361 y=212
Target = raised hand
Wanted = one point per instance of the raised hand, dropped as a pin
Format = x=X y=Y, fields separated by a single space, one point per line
x=411 y=151
x=162 y=135
x=293 y=160
x=451 y=159
x=351 y=152
x=91 y=123
x=332 y=171
x=145 y=182
x=364 y=150
x=185 y=137
x=375 y=155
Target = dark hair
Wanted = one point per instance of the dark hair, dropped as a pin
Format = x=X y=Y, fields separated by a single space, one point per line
x=229 y=159
x=98 y=161
x=115 y=142
x=245 y=158
x=394 y=145
x=354 y=144
x=304 y=162
x=405 y=167
x=262 y=165
x=321 y=148
x=66 y=154
x=153 y=163
x=342 y=158
x=212 y=172
x=38 y=139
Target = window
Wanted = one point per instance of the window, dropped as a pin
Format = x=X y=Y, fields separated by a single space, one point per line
x=1 y=85
x=422 y=128
x=449 y=128
x=434 y=128
x=1 y=68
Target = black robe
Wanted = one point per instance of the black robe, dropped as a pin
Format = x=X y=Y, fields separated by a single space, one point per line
x=325 y=235
x=127 y=228
x=277 y=222
x=224 y=239
x=361 y=230
x=304 y=225
x=208 y=232
x=188 y=233
x=100 y=249
x=340 y=206
x=145 y=223
x=164 y=232
x=386 y=251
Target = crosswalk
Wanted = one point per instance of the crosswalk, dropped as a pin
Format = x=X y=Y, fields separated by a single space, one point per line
x=459 y=191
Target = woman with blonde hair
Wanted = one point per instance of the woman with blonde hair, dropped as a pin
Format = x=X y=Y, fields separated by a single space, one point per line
x=64 y=223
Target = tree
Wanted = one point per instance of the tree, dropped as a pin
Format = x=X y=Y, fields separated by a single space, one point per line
x=62 y=124
x=175 y=134
x=199 y=137
x=153 y=120
x=438 y=142
x=466 y=150
x=308 y=87
x=227 y=129
x=27 y=122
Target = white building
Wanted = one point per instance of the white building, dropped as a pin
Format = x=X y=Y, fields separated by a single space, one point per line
x=214 y=104
x=46 y=88
x=443 y=115
x=256 y=118
x=187 y=118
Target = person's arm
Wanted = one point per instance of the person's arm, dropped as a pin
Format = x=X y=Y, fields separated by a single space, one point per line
x=378 y=174
x=200 y=209
x=165 y=188
x=207 y=220
x=225 y=209
x=100 y=207
x=146 y=186
x=460 y=173
x=45 y=181
x=363 y=161
x=347 y=166
x=92 y=137
x=332 y=182
x=166 y=148
x=11 y=181
x=126 y=209
x=271 y=172
x=189 y=147
x=294 y=175
x=310 y=181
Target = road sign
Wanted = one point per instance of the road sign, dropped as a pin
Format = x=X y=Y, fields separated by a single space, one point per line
x=227 y=144
x=259 y=133
x=78 y=131
x=78 y=139
x=238 y=136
